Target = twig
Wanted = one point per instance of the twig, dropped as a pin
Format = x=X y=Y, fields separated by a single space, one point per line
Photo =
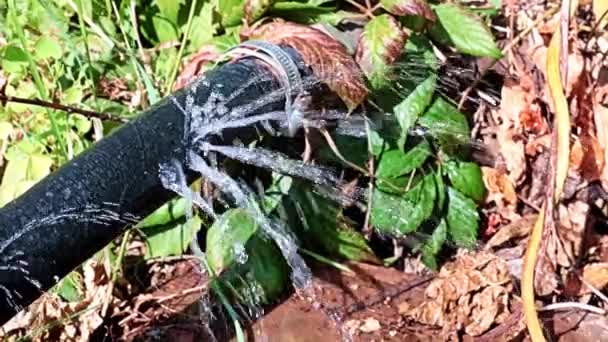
x=57 y=106
x=594 y=290
x=573 y=306
x=507 y=48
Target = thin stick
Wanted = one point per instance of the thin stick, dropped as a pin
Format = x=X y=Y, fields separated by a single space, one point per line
x=506 y=49
x=57 y=106
x=573 y=306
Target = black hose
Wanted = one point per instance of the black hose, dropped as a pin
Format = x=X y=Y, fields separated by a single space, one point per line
x=80 y=208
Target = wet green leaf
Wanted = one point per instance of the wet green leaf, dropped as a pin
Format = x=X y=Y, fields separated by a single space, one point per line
x=466 y=177
x=400 y=215
x=252 y=265
x=466 y=31
x=433 y=245
x=170 y=211
x=172 y=238
x=446 y=124
x=324 y=226
x=408 y=111
x=395 y=163
x=380 y=45
x=462 y=219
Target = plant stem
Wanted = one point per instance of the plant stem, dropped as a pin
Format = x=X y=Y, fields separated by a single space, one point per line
x=37 y=79
x=171 y=79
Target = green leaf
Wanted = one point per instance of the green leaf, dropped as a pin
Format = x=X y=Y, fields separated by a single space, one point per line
x=70 y=287
x=408 y=111
x=165 y=29
x=274 y=194
x=204 y=28
x=380 y=45
x=25 y=167
x=433 y=245
x=172 y=238
x=251 y=264
x=230 y=11
x=447 y=125
x=462 y=219
x=227 y=237
x=14 y=59
x=400 y=215
x=324 y=226
x=47 y=47
x=169 y=212
x=395 y=163
x=169 y=9
x=466 y=177
x=466 y=31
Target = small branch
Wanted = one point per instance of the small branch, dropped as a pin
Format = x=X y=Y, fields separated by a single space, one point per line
x=57 y=106
x=573 y=306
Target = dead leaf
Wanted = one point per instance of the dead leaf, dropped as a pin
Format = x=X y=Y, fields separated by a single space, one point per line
x=596 y=275
x=514 y=230
x=471 y=293
x=328 y=58
x=197 y=64
x=370 y=325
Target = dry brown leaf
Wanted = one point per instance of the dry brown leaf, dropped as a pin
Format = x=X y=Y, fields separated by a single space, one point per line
x=328 y=58
x=471 y=294
x=370 y=325
x=596 y=275
x=514 y=230
x=198 y=64
x=500 y=191
x=600 y=7
x=600 y=111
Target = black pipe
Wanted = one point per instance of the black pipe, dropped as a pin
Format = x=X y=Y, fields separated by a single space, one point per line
x=80 y=208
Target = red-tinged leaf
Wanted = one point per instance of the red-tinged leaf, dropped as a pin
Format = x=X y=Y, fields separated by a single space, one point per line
x=409 y=7
x=254 y=9
x=197 y=65
x=379 y=47
x=328 y=58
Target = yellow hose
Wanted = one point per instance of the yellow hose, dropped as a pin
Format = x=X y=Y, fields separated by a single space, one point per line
x=562 y=125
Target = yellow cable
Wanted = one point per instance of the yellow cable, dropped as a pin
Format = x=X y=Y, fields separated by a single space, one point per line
x=562 y=125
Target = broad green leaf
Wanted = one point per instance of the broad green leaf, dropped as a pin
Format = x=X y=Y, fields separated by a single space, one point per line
x=395 y=163
x=380 y=45
x=408 y=111
x=172 y=238
x=80 y=122
x=324 y=226
x=165 y=30
x=376 y=142
x=466 y=177
x=227 y=237
x=433 y=245
x=462 y=219
x=252 y=265
x=466 y=31
x=203 y=27
x=25 y=167
x=308 y=12
x=274 y=194
x=169 y=212
x=70 y=287
x=47 y=47
x=14 y=59
x=400 y=215
x=169 y=9
x=231 y=11
x=446 y=124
